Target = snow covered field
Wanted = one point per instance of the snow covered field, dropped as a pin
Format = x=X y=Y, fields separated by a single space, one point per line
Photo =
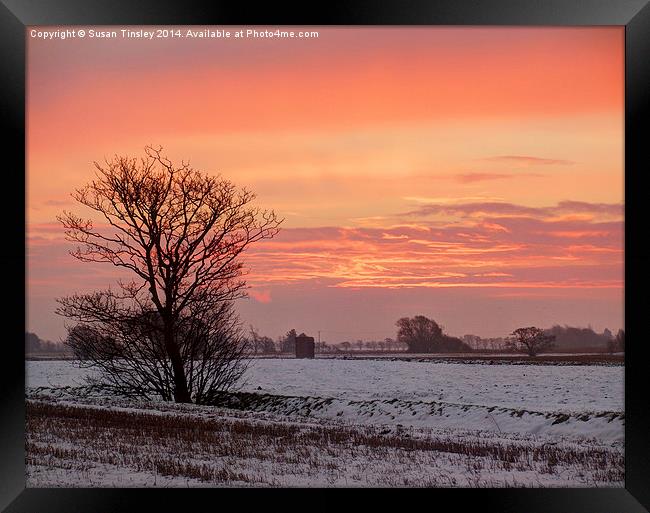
x=463 y=410
x=541 y=388
x=579 y=400
x=166 y=445
x=545 y=388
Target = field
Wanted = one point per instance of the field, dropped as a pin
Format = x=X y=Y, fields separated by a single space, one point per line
x=338 y=422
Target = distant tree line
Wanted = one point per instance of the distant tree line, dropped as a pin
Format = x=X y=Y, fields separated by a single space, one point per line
x=259 y=344
x=421 y=334
x=485 y=344
x=286 y=344
x=262 y=344
x=568 y=337
x=387 y=344
x=34 y=344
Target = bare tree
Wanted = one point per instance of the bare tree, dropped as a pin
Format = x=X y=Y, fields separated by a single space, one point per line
x=129 y=351
x=180 y=232
x=253 y=341
x=531 y=341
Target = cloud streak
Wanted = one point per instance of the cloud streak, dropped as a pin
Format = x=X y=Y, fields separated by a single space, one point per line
x=482 y=177
x=527 y=160
x=491 y=209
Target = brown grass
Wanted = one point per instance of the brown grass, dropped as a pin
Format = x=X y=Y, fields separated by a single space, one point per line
x=227 y=451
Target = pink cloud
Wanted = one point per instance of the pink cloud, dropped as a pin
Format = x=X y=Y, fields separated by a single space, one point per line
x=496 y=245
x=527 y=247
x=261 y=296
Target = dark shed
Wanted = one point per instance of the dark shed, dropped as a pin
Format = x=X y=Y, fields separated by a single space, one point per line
x=304 y=346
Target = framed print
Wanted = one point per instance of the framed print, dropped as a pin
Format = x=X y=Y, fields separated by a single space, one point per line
x=375 y=247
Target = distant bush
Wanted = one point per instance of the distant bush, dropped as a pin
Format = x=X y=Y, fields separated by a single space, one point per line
x=616 y=344
x=424 y=335
x=453 y=344
x=568 y=337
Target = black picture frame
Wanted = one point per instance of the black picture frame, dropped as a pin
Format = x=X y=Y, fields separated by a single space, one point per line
x=15 y=15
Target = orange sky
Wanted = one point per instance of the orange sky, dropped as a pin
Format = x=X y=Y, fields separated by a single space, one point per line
x=474 y=175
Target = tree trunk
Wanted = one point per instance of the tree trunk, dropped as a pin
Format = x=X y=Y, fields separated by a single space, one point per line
x=181 y=393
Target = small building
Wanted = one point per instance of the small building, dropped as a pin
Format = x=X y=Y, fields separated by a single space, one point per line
x=304 y=346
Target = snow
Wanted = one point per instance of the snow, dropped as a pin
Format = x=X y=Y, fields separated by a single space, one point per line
x=264 y=449
x=583 y=401
x=54 y=373
x=547 y=388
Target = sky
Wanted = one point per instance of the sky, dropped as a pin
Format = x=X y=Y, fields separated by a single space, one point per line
x=472 y=175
